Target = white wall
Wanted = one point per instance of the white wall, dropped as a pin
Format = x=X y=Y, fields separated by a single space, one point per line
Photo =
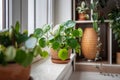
x=62 y=11
x=0 y=14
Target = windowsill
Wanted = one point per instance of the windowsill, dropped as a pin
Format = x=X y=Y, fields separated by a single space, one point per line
x=46 y=70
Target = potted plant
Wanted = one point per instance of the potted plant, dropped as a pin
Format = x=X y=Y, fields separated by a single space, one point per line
x=82 y=11
x=114 y=15
x=17 y=50
x=63 y=40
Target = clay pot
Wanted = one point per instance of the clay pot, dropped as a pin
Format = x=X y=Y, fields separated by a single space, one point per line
x=82 y=16
x=14 y=72
x=89 y=43
x=118 y=58
x=56 y=59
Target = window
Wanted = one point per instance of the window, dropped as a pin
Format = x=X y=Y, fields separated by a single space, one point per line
x=1 y=14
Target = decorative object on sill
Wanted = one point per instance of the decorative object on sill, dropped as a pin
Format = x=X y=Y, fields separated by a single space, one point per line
x=17 y=51
x=118 y=58
x=82 y=9
x=89 y=43
x=62 y=39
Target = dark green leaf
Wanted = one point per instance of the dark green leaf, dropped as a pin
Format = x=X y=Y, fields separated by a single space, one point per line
x=55 y=45
x=28 y=59
x=20 y=38
x=38 y=32
x=76 y=33
x=20 y=56
x=42 y=42
x=72 y=43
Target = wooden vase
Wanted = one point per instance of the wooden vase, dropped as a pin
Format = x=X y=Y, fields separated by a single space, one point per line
x=56 y=59
x=14 y=72
x=89 y=43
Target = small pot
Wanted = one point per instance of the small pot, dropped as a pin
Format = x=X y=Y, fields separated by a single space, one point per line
x=118 y=58
x=14 y=72
x=82 y=16
x=56 y=59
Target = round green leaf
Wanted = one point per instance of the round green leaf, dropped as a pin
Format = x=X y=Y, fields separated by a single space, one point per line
x=63 y=54
x=10 y=53
x=31 y=42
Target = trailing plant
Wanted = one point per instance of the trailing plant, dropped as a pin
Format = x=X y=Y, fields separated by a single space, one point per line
x=18 y=47
x=64 y=37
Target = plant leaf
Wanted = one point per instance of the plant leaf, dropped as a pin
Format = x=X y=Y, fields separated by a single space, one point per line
x=10 y=53
x=20 y=56
x=72 y=43
x=55 y=45
x=37 y=50
x=63 y=54
x=28 y=59
x=38 y=32
x=69 y=24
x=42 y=42
x=46 y=28
x=17 y=27
x=44 y=54
x=31 y=42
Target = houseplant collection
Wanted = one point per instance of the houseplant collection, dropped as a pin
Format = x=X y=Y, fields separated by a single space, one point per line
x=82 y=9
x=63 y=40
x=17 y=51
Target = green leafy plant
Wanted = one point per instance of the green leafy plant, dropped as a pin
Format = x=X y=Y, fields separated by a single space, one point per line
x=17 y=47
x=114 y=15
x=82 y=8
x=64 y=37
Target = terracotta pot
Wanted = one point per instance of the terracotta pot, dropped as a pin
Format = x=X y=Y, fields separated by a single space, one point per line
x=89 y=43
x=118 y=58
x=14 y=72
x=56 y=59
x=82 y=16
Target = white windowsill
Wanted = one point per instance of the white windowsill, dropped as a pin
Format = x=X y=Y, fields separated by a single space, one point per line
x=46 y=70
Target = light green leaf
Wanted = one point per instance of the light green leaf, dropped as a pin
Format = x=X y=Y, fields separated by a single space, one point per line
x=46 y=28
x=69 y=24
x=44 y=54
x=17 y=27
x=63 y=54
x=37 y=50
x=31 y=42
x=10 y=53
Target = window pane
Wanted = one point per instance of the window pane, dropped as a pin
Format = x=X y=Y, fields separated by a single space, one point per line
x=1 y=15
